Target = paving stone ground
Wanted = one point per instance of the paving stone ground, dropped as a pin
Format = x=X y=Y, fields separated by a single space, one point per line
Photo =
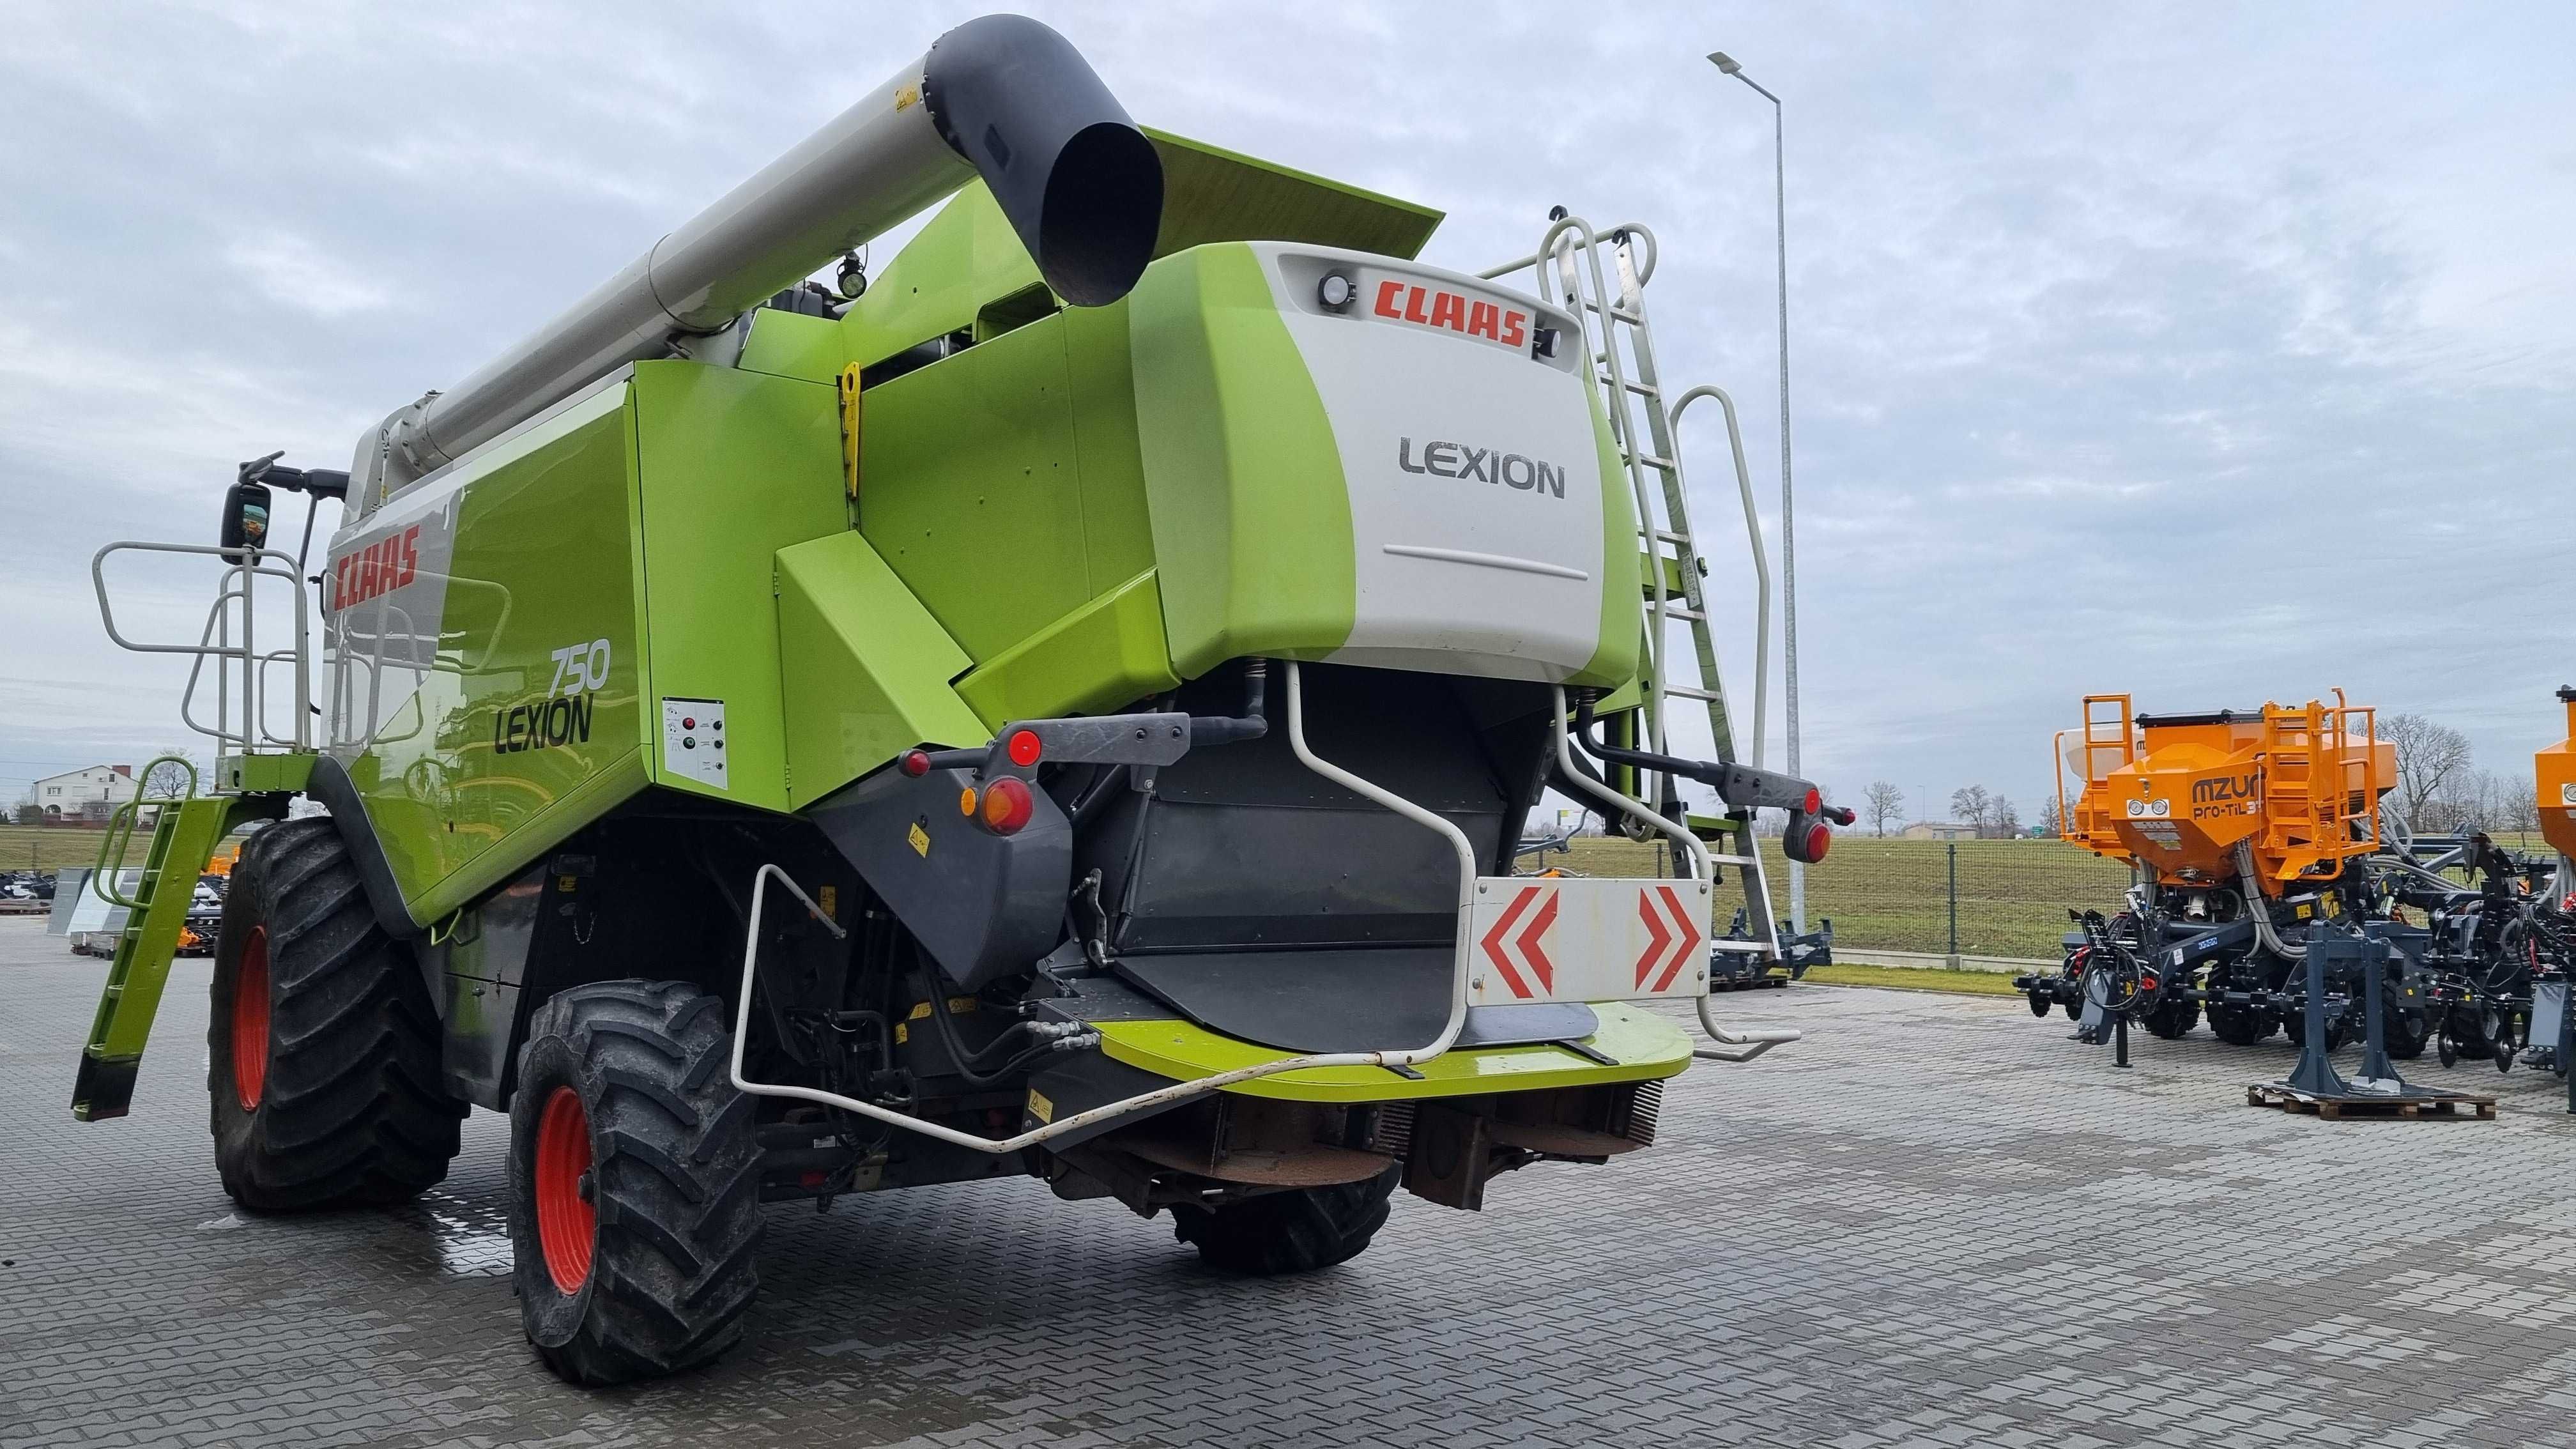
x=1936 y=1222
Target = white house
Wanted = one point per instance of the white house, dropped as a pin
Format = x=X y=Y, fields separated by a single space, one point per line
x=1939 y=830
x=66 y=796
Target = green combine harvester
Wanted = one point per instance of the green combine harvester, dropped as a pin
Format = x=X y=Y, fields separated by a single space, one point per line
x=1062 y=708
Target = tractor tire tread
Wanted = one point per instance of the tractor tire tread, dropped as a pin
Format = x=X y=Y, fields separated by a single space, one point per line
x=352 y=1110
x=677 y=1175
x=1297 y=1231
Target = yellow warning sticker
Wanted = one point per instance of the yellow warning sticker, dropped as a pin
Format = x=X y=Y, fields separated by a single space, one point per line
x=907 y=98
x=1040 y=1107
x=919 y=838
x=829 y=897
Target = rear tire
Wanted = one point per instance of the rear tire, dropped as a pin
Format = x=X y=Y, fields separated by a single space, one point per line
x=1289 y=1232
x=635 y=1183
x=323 y=1050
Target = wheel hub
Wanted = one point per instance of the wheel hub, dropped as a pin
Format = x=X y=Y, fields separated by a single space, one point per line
x=250 y=1020
x=567 y=1223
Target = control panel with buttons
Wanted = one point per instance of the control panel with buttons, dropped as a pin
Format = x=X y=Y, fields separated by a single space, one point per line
x=693 y=740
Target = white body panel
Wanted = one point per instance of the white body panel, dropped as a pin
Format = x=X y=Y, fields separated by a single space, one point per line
x=1582 y=939
x=1473 y=469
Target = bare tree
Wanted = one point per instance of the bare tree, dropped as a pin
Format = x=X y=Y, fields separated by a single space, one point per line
x=2007 y=820
x=2049 y=824
x=2519 y=809
x=1886 y=803
x=1971 y=805
x=167 y=780
x=2428 y=756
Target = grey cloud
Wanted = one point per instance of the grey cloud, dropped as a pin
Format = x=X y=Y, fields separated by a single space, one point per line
x=2211 y=354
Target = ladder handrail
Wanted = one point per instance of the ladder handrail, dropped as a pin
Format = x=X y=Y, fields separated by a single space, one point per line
x=119 y=836
x=1761 y=554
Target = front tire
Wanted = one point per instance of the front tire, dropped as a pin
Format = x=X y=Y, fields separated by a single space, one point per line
x=1298 y=1231
x=323 y=1049
x=635 y=1183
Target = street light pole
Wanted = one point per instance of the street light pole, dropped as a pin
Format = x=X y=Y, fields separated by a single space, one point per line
x=1788 y=517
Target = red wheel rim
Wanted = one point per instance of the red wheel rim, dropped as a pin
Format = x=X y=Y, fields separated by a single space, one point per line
x=566 y=1222
x=250 y=1020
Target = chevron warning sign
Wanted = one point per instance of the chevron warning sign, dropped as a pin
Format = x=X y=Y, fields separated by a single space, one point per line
x=1515 y=943
x=1673 y=938
x=1586 y=939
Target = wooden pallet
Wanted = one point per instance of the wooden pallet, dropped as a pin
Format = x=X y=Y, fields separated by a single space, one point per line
x=2446 y=1104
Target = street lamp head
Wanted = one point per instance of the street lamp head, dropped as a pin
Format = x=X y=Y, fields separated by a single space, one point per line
x=1724 y=62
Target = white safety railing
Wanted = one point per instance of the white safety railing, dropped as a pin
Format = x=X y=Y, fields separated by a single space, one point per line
x=231 y=638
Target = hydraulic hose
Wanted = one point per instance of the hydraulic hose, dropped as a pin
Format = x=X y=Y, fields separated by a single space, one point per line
x=2260 y=909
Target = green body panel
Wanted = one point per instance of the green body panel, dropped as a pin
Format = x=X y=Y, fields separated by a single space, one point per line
x=791 y=344
x=1097 y=659
x=1622 y=572
x=1251 y=515
x=866 y=667
x=646 y=522
x=967 y=489
x=734 y=467
x=546 y=555
x=1646 y=1046
x=965 y=257
x=1215 y=195
x=183 y=838
x=266 y=774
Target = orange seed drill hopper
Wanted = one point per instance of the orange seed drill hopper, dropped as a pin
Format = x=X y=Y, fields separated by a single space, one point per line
x=2295 y=788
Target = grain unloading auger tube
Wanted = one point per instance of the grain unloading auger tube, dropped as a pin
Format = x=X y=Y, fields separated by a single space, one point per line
x=1002 y=98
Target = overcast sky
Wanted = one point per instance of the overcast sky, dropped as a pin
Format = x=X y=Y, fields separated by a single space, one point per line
x=2211 y=353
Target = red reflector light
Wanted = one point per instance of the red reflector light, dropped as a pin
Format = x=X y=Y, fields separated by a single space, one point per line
x=810 y=1179
x=1819 y=840
x=1815 y=803
x=1025 y=748
x=915 y=763
x=1007 y=805
x=2148 y=982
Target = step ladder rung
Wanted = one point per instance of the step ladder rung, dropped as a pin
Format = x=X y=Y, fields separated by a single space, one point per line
x=1734 y=860
x=1691 y=691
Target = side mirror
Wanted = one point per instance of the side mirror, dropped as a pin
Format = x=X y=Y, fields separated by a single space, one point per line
x=245 y=516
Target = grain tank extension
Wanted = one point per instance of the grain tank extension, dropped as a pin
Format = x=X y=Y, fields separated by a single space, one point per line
x=1062 y=707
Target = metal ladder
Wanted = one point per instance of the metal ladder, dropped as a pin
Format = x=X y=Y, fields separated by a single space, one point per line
x=1620 y=346
x=252 y=779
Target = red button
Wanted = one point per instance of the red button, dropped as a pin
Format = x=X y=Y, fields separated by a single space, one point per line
x=688 y=723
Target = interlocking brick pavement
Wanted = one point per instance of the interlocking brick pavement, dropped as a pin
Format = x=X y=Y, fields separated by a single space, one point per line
x=1935 y=1222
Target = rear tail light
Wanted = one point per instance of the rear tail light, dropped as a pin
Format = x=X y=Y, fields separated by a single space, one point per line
x=915 y=763
x=1820 y=838
x=1814 y=804
x=1007 y=805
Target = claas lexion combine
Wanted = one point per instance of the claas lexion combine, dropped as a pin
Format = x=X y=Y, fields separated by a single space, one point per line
x=1064 y=708
x=2248 y=833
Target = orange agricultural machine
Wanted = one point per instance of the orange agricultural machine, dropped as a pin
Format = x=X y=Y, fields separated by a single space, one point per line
x=2283 y=795
x=2554 y=777
x=2241 y=826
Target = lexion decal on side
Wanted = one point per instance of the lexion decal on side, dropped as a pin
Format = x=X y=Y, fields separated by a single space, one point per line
x=544 y=725
x=1491 y=465
x=563 y=716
